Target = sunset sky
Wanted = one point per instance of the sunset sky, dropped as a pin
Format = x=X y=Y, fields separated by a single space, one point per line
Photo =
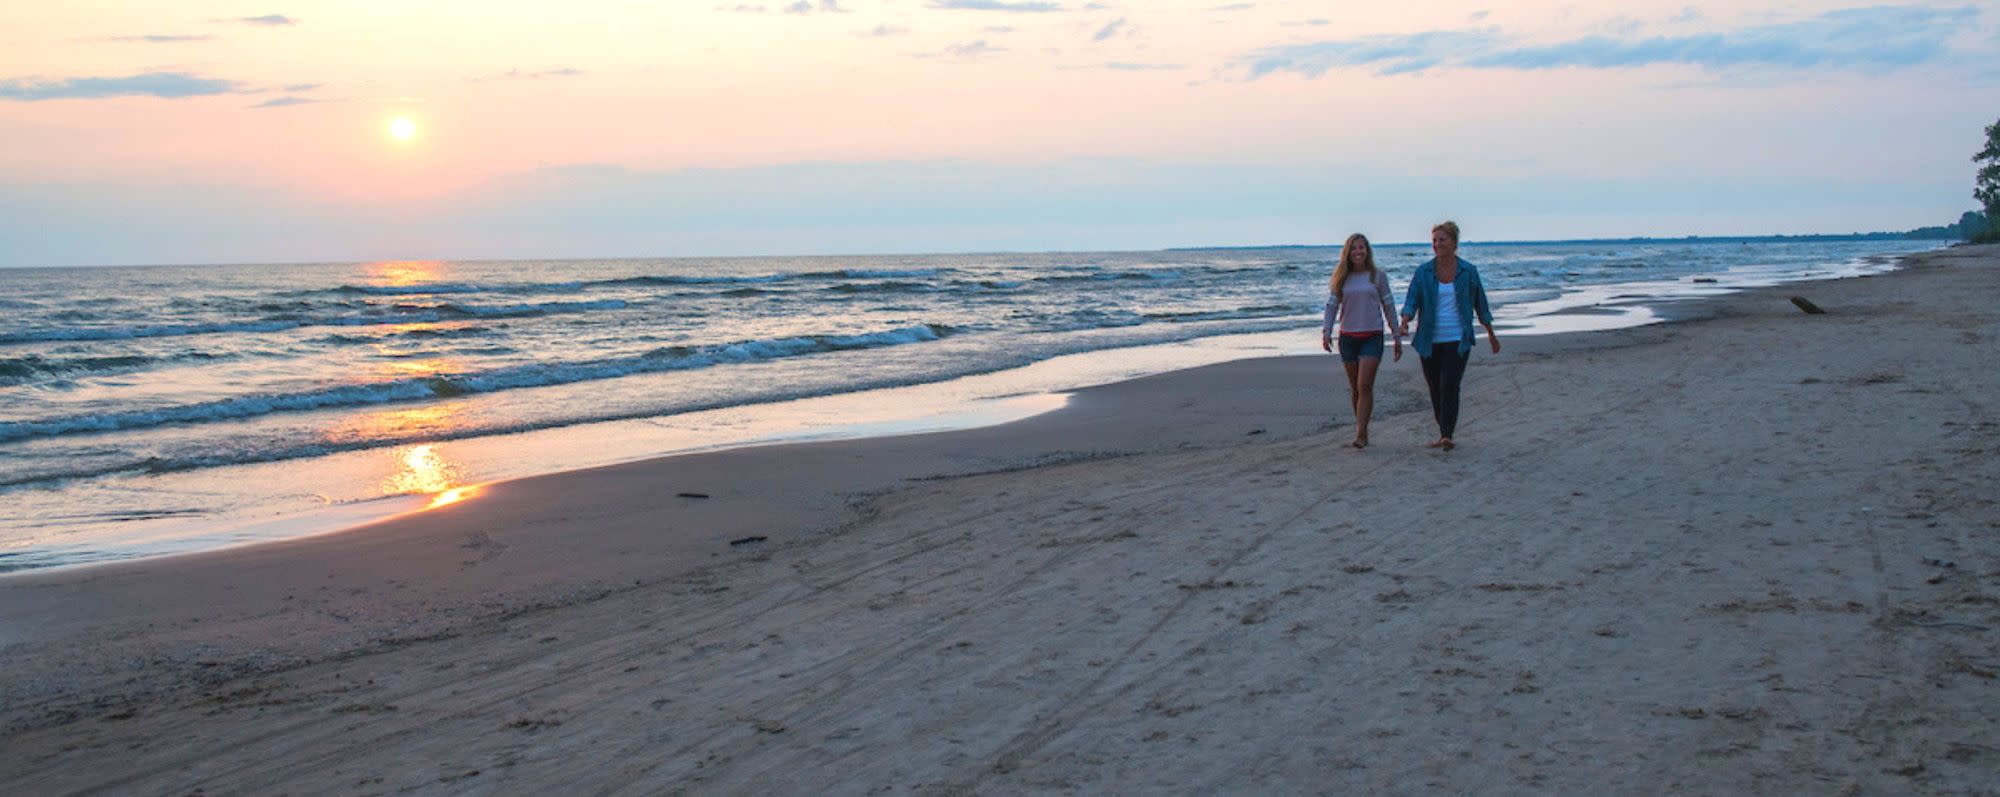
x=231 y=132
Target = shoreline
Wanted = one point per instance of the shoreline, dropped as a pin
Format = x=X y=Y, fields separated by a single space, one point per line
x=1665 y=560
x=341 y=486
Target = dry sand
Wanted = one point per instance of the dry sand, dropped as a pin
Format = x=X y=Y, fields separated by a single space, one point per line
x=1749 y=552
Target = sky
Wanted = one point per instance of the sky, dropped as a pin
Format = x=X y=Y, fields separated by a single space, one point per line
x=221 y=131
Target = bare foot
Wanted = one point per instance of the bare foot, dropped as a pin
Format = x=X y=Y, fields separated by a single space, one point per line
x=1359 y=442
x=1446 y=444
x=1438 y=443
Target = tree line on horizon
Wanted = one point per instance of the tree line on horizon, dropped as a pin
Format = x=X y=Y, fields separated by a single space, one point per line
x=1977 y=226
x=1986 y=189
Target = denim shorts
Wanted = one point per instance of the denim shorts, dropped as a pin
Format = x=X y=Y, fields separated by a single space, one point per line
x=1353 y=348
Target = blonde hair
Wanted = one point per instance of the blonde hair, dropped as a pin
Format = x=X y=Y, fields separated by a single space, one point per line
x=1347 y=263
x=1449 y=228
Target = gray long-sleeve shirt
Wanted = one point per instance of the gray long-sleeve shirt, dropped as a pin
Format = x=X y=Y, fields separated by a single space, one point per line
x=1363 y=305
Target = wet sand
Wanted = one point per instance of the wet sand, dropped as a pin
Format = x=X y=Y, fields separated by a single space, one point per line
x=1754 y=550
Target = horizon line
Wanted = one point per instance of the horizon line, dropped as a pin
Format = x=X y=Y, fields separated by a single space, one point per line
x=1855 y=236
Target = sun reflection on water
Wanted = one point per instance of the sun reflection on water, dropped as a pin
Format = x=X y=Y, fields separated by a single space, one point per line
x=422 y=470
x=404 y=273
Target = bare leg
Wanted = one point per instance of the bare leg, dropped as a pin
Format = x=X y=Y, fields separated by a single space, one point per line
x=1364 y=398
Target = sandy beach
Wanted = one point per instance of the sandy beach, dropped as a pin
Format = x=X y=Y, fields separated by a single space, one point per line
x=1751 y=551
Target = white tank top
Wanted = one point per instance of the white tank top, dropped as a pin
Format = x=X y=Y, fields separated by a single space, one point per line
x=1446 y=330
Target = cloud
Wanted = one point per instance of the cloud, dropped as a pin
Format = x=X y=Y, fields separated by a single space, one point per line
x=972 y=49
x=1235 y=7
x=885 y=30
x=1129 y=66
x=1305 y=23
x=165 y=85
x=161 y=38
x=273 y=20
x=286 y=102
x=1027 y=6
x=806 y=7
x=965 y=51
x=296 y=87
x=1109 y=31
x=743 y=9
x=516 y=74
x=1868 y=39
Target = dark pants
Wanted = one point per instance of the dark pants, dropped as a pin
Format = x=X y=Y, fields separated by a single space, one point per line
x=1444 y=371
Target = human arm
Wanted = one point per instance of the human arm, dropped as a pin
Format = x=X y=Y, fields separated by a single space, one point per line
x=1326 y=325
x=1481 y=309
x=1388 y=294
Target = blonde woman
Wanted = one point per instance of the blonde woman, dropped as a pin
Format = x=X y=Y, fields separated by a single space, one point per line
x=1447 y=296
x=1360 y=300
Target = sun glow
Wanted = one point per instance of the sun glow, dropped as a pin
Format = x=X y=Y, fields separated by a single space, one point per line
x=402 y=128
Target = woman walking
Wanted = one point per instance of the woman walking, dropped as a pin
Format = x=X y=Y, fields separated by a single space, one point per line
x=1360 y=299
x=1446 y=295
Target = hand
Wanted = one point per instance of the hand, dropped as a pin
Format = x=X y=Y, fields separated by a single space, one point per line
x=1398 y=357
x=1496 y=343
x=1325 y=343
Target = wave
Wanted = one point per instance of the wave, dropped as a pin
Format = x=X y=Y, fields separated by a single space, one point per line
x=423 y=388
x=872 y=273
x=888 y=286
x=401 y=314
x=1113 y=276
x=679 y=280
x=17 y=370
x=161 y=331
x=522 y=310
x=437 y=288
x=1259 y=311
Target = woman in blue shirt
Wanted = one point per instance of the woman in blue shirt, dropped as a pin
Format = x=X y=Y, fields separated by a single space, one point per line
x=1446 y=295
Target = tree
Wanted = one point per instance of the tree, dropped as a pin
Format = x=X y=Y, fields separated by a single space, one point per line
x=1986 y=188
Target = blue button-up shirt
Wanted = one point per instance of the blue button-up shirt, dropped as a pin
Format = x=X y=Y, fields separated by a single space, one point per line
x=1423 y=296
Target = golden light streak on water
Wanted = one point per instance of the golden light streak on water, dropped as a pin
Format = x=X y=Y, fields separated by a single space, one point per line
x=425 y=471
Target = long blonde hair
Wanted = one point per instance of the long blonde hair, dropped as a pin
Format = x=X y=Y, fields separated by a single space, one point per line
x=1340 y=272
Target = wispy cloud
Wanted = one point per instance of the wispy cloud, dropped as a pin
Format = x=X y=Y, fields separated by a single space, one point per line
x=1024 y=6
x=296 y=87
x=1128 y=66
x=286 y=102
x=161 y=38
x=1109 y=30
x=965 y=51
x=1235 y=7
x=165 y=85
x=880 y=31
x=516 y=74
x=274 y=20
x=807 y=7
x=1870 y=39
x=973 y=49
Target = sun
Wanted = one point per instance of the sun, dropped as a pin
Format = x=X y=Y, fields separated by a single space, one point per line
x=402 y=129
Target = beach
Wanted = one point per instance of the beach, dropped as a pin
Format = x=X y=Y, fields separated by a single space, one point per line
x=1752 y=550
